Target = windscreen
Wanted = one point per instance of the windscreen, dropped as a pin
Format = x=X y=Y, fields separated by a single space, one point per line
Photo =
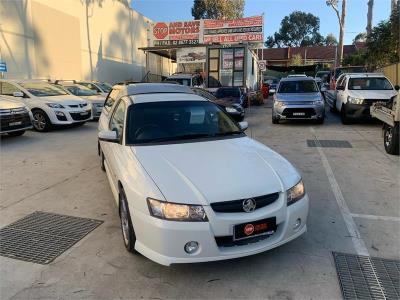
x=42 y=89
x=173 y=121
x=105 y=86
x=228 y=92
x=370 y=83
x=298 y=86
x=80 y=90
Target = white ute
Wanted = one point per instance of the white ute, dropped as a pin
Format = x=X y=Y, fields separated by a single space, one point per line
x=50 y=105
x=189 y=184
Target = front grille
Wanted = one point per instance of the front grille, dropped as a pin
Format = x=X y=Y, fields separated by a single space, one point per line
x=227 y=241
x=79 y=117
x=288 y=112
x=369 y=102
x=18 y=115
x=74 y=106
x=237 y=205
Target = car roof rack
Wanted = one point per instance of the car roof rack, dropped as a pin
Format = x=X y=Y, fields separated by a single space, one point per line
x=58 y=81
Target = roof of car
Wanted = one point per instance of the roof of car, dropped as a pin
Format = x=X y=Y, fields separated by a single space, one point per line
x=181 y=75
x=156 y=88
x=298 y=78
x=364 y=75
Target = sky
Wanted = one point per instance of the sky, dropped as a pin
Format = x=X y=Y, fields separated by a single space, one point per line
x=274 y=11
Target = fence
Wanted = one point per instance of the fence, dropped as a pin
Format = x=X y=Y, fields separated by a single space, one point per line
x=392 y=72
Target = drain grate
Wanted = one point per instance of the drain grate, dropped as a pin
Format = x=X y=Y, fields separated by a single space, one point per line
x=363 y=277
x=329 y=144
x=41 y=237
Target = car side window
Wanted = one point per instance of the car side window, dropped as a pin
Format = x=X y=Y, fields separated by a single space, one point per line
x=8 y=89
x=112 y=96
x=117 y=119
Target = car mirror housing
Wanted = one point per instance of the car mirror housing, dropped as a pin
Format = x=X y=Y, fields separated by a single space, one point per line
x=243 y=125
x=108 y=136
x=18 y=94
x=397 y=87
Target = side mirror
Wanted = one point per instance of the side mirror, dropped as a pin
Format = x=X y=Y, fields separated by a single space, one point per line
x=397 y=87
x=323 y=89
x=243 y=125
x=340 y=88
x=108 y=136
x=18 y=94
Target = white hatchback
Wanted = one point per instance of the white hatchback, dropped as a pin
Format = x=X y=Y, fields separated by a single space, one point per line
x=189 y=184
x=50 y=105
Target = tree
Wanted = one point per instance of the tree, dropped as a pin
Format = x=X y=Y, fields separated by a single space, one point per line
x=360 y=38
x=297 y=29
x=342 y=22
x=369 y=15
x=296 y=60
x=382 y=45
x=218 y=9
x=330 y=40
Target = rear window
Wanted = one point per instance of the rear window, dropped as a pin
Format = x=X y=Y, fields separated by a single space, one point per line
x=298 y=86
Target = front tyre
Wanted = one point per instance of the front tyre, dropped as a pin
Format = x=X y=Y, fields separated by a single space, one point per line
x=344 y=117
x=391 y=139
x=128 y=233
x=41 y=121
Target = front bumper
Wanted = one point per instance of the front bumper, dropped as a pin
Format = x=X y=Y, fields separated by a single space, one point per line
x=15 y=122
x=358 y=111
x=163 y=241
x=97 y=109
x=70 y=116
x=299 y=111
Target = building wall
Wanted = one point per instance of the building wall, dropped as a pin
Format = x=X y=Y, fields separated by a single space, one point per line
x=392 y=72
x=75 y=39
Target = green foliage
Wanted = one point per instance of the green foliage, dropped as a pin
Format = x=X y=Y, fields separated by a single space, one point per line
x=382 y=45
x=330 y=40
x=361 y=37
x=356 y=59
x=297 y=29
x=218 y=9
x=296 y=60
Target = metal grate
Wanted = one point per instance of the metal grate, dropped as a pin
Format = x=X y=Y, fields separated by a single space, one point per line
x=41 y=237
x=329 y=144
x=364 y=277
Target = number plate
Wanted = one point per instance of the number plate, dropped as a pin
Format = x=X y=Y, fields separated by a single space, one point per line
x=84 y=113
x=15 y=123
x=256 y=228
x=299 y=114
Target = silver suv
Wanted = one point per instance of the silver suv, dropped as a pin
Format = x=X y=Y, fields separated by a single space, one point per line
x=298 y=98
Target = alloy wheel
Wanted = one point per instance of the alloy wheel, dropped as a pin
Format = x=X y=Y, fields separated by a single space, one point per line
x=388 y=136
x=39 y=121
x=124 y=222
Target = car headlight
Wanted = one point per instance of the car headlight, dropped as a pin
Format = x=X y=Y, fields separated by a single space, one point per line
x=54 y=105
x=295 y=193
x=176 y=212
x=354 y=100
x=279 y=103
x=319 y=102
x=230 y=110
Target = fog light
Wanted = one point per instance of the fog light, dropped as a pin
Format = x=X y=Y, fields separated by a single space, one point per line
x=59 y=113
x=191 y=247
x=297 y=224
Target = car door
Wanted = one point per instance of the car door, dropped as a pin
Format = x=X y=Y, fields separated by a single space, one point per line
x=341 y=94
x=114 y=152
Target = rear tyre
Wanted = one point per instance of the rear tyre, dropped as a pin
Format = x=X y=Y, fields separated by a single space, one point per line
x=102 y=164
x=41 y=121
x=128 y=234
x=391 y=139
x=16 y=133
x=343 y=116
x=78 y=124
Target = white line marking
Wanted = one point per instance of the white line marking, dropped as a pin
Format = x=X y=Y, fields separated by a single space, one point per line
x=372 y=217
x=358 y=242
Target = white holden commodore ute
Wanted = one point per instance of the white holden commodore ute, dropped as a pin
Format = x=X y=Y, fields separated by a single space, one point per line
x=189 y=184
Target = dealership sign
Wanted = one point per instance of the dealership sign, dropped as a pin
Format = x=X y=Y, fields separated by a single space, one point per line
x=233 y=31
x=247 y=30
x=176 y=33
x=191 y=55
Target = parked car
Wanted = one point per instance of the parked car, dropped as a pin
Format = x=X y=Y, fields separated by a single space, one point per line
x=298 y=98
x=97 y=100
x=272 y=82
x=389 y=114
x=50 y=105
x=296 y=75
x=191 y=80
x=233 y=95
x=100 y=87
x=15 y=117
x=357 y=92
x=173 y=159
x=235 y=110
